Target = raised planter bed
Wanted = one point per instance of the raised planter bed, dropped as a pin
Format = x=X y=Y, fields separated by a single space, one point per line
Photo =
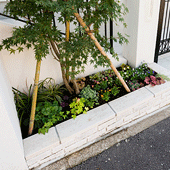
x=73 y=135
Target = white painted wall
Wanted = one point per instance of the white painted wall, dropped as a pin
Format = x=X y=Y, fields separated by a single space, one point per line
x=20 y=67
x=11 y=146
x=142 y=22
x=130 y=50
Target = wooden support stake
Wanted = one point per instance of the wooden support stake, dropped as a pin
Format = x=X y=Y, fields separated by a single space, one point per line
x=34 y=100
x=67 y=39
x=83 y=24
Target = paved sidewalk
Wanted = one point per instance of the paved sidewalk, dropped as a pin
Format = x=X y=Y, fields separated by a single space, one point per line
x=148 y=150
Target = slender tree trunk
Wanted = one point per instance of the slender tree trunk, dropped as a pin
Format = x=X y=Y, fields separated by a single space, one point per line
x=82 y=23
x=77 y=90
x=65 y=80
x=67 y=39
x=34 y=100
x=62 y=70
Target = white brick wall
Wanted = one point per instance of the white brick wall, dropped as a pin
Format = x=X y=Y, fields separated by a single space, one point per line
x=90 y=127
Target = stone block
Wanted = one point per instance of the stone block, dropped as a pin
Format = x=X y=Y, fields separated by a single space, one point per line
x=159 y=89
x=39 y=143
x=53 y=156
x=73 y=129
x=34 y=165
x=164 y=103
x=166 y=94
x=130 y=117
x=75 y=145
x=140 y=107
x=130 y=101
x=155 y=101
x=115 y=125
x=96 y=135
x=107 y=123
x=153 y=108
x=39 y=157
x=56 y=148
x=87 y=133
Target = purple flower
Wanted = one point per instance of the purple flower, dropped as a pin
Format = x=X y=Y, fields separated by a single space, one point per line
x=63 y=104
x=65 y=98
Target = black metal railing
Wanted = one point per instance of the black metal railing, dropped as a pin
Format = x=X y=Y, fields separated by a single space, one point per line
x=163 y=34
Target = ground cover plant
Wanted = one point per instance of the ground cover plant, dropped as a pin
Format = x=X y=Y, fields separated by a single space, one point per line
x=55 y=104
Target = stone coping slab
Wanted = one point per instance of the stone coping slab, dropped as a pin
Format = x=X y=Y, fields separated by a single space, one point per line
x=130 y=100
x=73 y=135
x=39 y=143
x=84 y=122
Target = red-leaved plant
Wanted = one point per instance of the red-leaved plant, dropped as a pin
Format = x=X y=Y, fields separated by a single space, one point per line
x=154 y=80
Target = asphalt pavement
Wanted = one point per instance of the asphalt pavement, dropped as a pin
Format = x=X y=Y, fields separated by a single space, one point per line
x=147 y=150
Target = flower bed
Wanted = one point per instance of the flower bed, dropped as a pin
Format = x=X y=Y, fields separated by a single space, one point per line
x=55 y=104
x=73 y=135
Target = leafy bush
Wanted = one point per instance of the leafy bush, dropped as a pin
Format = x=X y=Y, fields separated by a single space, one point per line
x=77 y=107
x=138 y=73
x=164 y=77
x=108 y=73
x=134 y=85
x=23 y=102
x=47 y=114
x=106 y=94
x=96 y=77
x=152 y=80
x=48 y=90
x=90 y=95
x=115 y=90
x=65 y=101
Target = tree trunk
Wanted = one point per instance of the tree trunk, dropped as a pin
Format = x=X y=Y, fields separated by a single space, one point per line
x=77 y=90
x=65 y=81
x=34 y=100
x=67 y=39
x=62 y=70
x=82 y=23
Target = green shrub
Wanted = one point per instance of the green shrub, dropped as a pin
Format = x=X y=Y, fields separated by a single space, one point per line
x=115 y=90
x=48 y=90
x=47 y=114
x=77 y=107
x=134 y=85
x=23 y=102
x=90 y=95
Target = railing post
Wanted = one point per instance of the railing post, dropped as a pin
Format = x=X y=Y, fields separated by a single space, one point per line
x=161 y=14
